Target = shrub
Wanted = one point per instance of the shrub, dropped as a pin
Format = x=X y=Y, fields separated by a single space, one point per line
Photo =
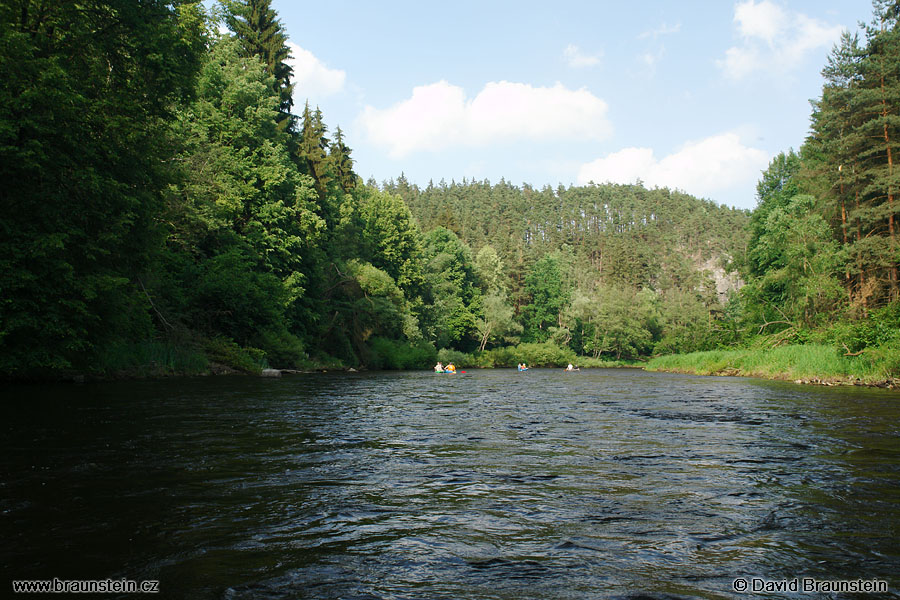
x=601 y=363
x=282 y=349
x=225 y=351
x=499 y=357
x=545 y=354
x=397 y=354
x=459 y=359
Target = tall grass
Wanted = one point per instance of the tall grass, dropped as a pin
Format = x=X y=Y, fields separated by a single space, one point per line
x=787 y=362
x=151 y=357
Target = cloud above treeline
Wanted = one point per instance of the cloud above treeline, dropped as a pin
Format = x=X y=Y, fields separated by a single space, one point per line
x=312 y=79
x=699 y=167
x=773 y=39
x=439 y=116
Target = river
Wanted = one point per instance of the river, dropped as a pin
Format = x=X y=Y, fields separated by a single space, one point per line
x=490 y=484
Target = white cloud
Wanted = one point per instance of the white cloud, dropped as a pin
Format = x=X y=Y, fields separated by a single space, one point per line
x=312 y=79
x=701 y=167
x=765 y=20
x=773 y=39
x=576 y=59
x=439 y=116
x=664 y=29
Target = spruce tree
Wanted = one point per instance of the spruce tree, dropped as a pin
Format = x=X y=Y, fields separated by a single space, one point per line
x=312 y=147
x=261 y=33
x=342 y=164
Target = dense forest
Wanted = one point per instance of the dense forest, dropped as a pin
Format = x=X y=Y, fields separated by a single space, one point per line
x=167 y=209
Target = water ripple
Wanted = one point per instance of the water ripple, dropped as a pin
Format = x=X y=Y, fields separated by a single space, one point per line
x=603 y=484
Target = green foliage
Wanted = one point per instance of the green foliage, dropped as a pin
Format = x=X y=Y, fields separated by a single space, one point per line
x=283 y=350
x=398 y=354
x=452 y=297
x=490 y=271
x=85 y=89
x=882 y=328
x=774 y=192
x=589 y=362
x=687 y=324
x=809 y=361
x=262 y=36
x=231 y=298
x=621 y=235
x=497 y=322
x=549 y=294
x=613 y=321
x=391 y=238
x=312 y=146
x=503 y=356
x=801 y=284
x=224 y=351
x=545 y=354
x=457 y=358
x=379 y=304
x=342 y=164
x=151 y=358
x=851 y=155
x=237 y=172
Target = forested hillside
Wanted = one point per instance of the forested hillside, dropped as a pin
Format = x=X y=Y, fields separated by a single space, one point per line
x=606 y=244
x=167 y=209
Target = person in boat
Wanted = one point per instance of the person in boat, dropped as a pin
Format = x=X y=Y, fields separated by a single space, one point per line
x=570 y=367
x=450 y=368
x=439 y=368
x=523 y=367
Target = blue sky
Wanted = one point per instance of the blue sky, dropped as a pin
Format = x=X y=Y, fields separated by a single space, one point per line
x=697 y=96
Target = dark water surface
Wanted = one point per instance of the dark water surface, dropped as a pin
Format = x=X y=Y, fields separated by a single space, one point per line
x=492 y=484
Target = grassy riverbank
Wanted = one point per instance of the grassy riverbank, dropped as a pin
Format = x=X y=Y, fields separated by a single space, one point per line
x=809 y=363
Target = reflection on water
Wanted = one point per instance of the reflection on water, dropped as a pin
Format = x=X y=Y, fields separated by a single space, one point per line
x=494 y=484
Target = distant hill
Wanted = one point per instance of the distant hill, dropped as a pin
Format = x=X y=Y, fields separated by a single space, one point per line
x=624 y=235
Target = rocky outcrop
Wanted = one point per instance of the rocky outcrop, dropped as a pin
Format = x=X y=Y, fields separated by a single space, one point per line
x=725 y=282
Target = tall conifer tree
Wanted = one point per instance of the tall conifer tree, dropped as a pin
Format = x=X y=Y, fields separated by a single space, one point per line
x=880 y=102
x=261 y=34
x=339 y=154
x=312 y=148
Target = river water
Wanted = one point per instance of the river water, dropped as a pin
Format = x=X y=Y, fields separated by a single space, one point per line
x=489 y=484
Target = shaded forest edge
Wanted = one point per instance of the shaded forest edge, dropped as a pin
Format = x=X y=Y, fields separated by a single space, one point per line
x=167 y=211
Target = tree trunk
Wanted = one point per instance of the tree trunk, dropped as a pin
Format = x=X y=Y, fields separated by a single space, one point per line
x=847 y=283
x=890 y=190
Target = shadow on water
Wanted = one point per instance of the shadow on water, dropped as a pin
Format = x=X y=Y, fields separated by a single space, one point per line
x=493 y=484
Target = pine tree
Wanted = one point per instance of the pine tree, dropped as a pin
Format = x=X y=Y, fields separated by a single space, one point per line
x=853 y=151
x=880 y=102
x=261 y=34
x=834 y=149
